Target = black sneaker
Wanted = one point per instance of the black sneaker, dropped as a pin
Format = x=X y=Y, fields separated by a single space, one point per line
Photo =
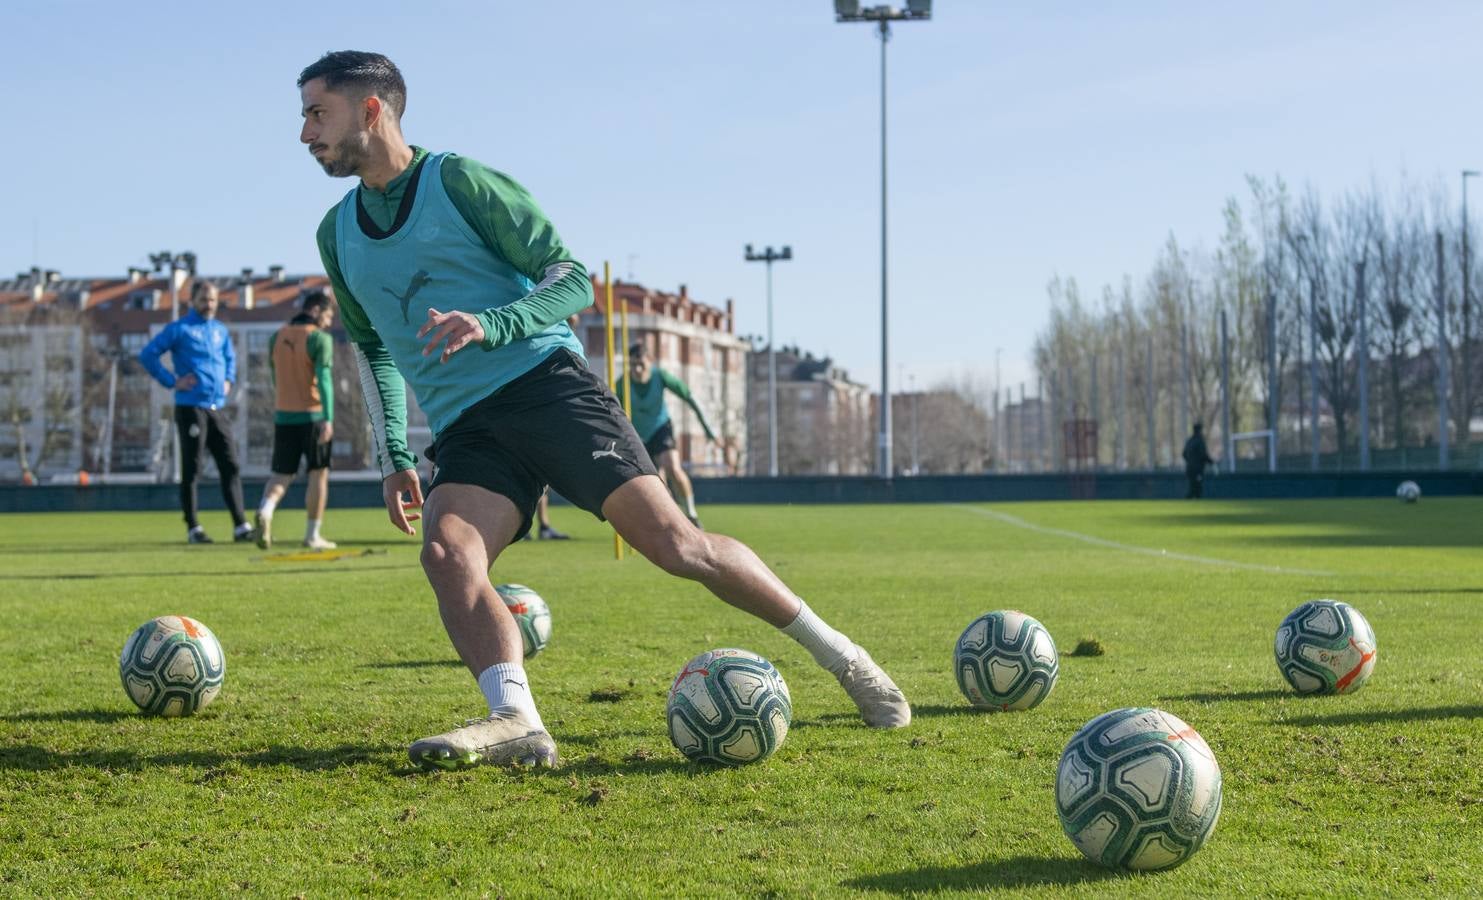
x=198 y=536
x=551 y=534
x=243 y=536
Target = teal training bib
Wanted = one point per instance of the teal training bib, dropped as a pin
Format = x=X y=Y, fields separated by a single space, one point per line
x=436 y=261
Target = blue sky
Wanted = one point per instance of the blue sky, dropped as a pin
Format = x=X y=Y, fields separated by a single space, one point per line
x=1026 y=139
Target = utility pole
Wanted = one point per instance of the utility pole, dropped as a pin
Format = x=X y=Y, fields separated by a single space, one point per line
x=769 y=256
x=1444 y=352
x=1364 y=369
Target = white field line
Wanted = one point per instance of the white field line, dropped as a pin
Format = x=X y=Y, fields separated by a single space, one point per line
x=1017 y=522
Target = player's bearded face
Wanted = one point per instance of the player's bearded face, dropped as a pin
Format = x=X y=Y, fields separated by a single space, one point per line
x=347 y=154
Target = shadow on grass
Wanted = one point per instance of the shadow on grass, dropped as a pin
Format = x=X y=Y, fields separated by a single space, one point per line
x=1240 y=696
x=1404 y=591
x=1017 y=871
x=278 y=569
x=104 y=716
x=307 y=759
x=416 y=664
x=1387 y=716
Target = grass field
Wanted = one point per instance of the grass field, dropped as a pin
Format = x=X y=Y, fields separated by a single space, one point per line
x=295 y=781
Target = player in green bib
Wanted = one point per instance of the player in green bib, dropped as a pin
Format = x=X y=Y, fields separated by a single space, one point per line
x=651 y=420
x=452 y=280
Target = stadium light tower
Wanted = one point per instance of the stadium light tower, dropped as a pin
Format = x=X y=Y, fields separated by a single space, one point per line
x=770 y=256
x=883 y=16
x=173 y=262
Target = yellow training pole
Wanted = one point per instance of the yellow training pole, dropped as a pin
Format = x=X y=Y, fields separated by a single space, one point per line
x=627 y=372
x=607 y=278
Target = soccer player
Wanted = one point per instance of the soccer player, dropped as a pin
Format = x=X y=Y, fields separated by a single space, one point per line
x=205 y=365
x=301 y=356
x=451 y=278
x=651 y=420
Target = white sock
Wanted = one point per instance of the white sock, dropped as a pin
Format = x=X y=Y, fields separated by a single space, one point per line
x=312 y=531
x=508 y=691
x=690 y=505
x=265 y=509
x=828 y=647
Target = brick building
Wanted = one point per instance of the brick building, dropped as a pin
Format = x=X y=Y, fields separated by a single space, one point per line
x=693 y=341
x=824 y=418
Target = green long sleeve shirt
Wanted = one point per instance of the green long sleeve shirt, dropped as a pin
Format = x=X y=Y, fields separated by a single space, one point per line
x=506 y=220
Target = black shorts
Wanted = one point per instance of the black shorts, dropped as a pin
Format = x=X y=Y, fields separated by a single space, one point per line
x=294 y=442
x=556 y=425
x=661 y=440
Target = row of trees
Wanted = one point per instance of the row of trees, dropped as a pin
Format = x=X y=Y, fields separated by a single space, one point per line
x=1371 y=293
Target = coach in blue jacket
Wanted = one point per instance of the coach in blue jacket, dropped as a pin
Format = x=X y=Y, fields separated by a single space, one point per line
x=205 y=367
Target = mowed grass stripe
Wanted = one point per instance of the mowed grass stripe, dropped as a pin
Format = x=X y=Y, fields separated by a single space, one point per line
x=295 y=780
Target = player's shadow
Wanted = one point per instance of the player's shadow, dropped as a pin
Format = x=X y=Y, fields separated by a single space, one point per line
x=1014 y=872
x=103 y=716
x=1238 y=696
x=1387 y=716
x=415 y=664
x=27 y=758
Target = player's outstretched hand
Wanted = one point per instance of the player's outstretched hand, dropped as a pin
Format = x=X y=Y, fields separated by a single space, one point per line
x=459 y=329
x=392 y=489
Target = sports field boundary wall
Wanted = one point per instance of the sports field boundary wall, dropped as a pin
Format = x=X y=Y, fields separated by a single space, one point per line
x=824 y=489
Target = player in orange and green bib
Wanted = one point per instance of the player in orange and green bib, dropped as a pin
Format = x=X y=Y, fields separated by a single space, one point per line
x=651 y=420
x=301 y=356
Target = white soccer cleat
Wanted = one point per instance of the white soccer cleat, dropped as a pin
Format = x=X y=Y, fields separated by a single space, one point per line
x=319 y=543
x=881 y=703
x=493 y=740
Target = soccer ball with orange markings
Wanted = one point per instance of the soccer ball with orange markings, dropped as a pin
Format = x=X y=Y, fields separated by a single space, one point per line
x=1325 y=647
x=729 y=707
x=172 y=666
x=531 y=614
x=1138 y=789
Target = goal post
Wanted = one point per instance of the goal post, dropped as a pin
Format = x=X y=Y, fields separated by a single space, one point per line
x=1265 y=434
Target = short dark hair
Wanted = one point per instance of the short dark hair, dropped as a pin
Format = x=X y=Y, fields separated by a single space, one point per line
x=366 y=73
x=199 y=287
x=638 y=349
x=318 y=298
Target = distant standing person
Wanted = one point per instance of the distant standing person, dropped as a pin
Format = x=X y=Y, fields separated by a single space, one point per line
x=205 y=365
x=651 y=421
x=301 y=356
x=1196 y=458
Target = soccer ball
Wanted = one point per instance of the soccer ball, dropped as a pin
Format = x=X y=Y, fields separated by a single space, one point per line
x=1408 y=492
x=531 y=614
x=729 y=707
x=172 y=666
x=1325 y=647
x=1138 y=789
x=1005 y=660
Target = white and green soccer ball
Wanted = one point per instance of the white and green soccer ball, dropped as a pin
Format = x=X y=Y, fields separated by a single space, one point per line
x=172 y=666
x=1325 y=647
x=1005 y=660
x=1408 y=492
x=729 y=707
x=1138 y=789
x=531 y=614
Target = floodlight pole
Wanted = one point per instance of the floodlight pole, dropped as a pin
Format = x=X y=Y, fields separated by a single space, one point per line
x=883 y=16
x=769 y=256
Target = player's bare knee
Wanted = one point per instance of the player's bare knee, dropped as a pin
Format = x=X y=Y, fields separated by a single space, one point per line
x=444 y=558
x=685 y=552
